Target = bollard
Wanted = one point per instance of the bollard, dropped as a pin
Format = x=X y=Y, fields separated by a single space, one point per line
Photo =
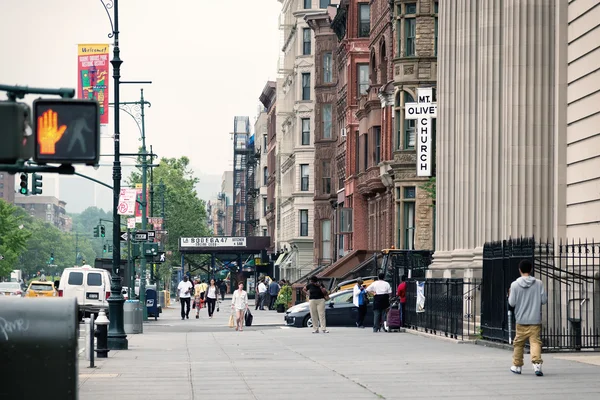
x=38 y=340
x=101 y=333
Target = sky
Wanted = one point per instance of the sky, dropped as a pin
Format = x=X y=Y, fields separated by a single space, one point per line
x=208 y=62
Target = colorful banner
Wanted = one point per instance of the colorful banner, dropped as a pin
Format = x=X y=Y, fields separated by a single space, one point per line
x=138 y=206
x=92 y=75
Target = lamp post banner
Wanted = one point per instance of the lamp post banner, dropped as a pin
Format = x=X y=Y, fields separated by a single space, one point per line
x=138 y=206
x=92 y=76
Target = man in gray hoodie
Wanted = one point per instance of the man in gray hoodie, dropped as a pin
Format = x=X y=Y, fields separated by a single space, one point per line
x=527 y=295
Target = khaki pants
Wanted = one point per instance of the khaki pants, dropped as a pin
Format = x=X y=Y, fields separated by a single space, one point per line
x=524 y=332
x=317 y=313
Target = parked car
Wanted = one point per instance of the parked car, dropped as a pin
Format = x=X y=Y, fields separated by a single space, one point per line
x=11 y=289
x=41 y=289
x=90 y=286
x=339 y=311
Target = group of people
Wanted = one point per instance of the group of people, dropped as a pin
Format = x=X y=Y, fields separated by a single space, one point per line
x=267 y=291
x=202 y=293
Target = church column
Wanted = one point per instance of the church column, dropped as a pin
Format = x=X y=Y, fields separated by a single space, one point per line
x=528 y=120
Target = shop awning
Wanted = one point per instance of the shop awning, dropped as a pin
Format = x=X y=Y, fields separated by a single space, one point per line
x=280 y=259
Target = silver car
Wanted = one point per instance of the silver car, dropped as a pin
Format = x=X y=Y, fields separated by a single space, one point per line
x=11 y=289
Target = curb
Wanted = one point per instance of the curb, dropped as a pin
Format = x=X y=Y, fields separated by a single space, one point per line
x=496 y=345
x=437 y=337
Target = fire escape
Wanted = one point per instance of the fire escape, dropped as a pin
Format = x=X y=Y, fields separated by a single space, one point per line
x=241 y=153
x=252 y=190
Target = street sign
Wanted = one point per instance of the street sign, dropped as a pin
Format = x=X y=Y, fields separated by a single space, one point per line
x=140 y=236
x=1 y=257
x=131 y=223
x=162 y=232
x=151 y=234
x=123 y=236
x=127 y=202
x=150 y=249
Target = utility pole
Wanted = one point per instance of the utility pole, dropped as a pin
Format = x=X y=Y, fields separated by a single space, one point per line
x=144 y=210
x=76 y=247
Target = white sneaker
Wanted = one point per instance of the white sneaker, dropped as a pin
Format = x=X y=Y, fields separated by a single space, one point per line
x=515 y=370
x=537 y=368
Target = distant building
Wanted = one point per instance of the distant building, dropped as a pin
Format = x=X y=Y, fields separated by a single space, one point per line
x=268 y=99
x=222 y=208
x=47 y=208
x=7 y=187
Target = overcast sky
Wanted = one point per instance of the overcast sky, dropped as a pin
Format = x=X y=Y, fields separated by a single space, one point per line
x=208 y=61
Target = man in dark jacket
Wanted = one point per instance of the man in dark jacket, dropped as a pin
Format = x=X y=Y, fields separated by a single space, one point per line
x=527 y=296
x=273 y=292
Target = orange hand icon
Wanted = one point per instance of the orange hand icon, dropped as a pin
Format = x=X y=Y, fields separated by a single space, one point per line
x=49 y=133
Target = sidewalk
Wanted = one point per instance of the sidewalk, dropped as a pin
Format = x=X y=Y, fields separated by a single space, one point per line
x=195 y=359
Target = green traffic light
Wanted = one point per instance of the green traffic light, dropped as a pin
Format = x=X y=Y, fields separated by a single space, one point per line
x=23 y=191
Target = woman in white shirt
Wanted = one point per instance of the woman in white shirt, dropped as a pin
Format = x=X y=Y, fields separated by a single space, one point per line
x=239 y=304
x=212 y=293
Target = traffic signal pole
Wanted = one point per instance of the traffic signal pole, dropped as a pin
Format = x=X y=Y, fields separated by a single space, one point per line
x=144 y=210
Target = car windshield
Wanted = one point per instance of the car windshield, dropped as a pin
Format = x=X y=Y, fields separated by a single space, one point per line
x=10 y=286
x=41 y=287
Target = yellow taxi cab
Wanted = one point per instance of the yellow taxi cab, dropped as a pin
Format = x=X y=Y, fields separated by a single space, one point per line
x=41 y=289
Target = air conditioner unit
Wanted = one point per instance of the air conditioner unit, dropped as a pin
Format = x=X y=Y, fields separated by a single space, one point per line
x=343 y=132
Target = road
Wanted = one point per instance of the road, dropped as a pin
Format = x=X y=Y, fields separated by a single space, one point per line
x=194 y=359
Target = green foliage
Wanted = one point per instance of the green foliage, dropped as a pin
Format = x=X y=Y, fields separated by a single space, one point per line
x=185 y=213
x=84 y=224
x=13 y=237
x=429 y=187
x=285 y=296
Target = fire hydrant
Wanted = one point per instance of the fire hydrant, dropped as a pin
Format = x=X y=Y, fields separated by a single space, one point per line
x=101 y=333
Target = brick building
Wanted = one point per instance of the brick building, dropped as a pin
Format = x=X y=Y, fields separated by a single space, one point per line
x=46 y=208
x=415 y=65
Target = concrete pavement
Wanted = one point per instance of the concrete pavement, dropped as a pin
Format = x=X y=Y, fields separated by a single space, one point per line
x=195 y=359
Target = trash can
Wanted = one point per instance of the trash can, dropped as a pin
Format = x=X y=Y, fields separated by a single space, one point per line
x=152 y=303
x=132 y=317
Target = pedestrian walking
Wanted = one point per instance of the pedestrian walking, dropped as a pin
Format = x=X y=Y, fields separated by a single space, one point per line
x=360 y=301
x=239 y=305
x=261 y=291
x=184 y=293
x=212 y=294
x=381 y=301
x=273 y=292
x=401 y=293
x=223 y=289
x=527 y=295
x=316 y=303
x=197 y=298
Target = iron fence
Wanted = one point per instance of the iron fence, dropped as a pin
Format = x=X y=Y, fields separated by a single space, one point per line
x=450 y=307
x=570 y=272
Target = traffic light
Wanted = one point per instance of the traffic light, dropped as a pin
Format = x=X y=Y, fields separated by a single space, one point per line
x=104 y=249
x=66 y=131
x=36 y=185
x=96 y=231
x=110 y=248
x=102 y=231
x=52 y=258
x=23 y=184
x=15 y=131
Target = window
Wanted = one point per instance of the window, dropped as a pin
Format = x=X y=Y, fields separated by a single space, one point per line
x=265 y=232
x=75 y=278
x=410 y=34
x=327 y=67
x=306 y=41
x=366 y=154
x=346 y=220
x=364 y=20
x=409 y=217
x=265 y=144
x=1 y=185
x=356 y=152
x=265 y=176
x=94 y=279
x=363 y=79
x=307 y=4
x=264 y=204
x=324 y=3
x=410 y=126
x=306 y=86
x=411 y=8
x=305 y=131
x=326 y=173
x=304 y=177
x=303 y=222
x=326 y=239
x=377 y=133
x=326 y=116
x=435 y=29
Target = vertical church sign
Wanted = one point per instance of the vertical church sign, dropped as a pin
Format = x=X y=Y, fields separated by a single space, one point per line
x=423 y=111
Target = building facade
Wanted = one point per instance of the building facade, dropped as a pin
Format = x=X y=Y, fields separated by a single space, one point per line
x=46 y=208
x=261 y=179
x=223 y=206
x=7 y=187
x=494 y=181
x=295 y=183
x=268 y=99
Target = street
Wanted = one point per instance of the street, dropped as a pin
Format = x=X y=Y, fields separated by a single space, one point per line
x=195 y=359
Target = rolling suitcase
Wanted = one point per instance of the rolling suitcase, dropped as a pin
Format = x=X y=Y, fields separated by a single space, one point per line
x=394 y=319
x=248 y=318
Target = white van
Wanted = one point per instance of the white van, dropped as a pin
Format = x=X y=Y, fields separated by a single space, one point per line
x=90 y=286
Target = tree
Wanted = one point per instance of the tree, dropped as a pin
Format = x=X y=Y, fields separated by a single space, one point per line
x=13 y=237
x=185 y=213
x=84 y=224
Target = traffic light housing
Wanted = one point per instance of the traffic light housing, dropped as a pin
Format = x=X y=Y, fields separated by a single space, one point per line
x=102 y=231
x=67 y=131
x=23 y=184
x=96 y=231
x=16 y=132
x=52 y=258
x=36 y=185
x=104 y=249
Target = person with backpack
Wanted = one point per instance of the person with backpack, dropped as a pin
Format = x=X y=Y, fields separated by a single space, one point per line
x=360 y=301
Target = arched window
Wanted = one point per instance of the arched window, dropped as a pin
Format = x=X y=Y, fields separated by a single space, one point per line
x=398 y=120
x=373 y=76
x=383 y=64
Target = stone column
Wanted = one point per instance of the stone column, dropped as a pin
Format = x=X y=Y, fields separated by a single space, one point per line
x=528 y=95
